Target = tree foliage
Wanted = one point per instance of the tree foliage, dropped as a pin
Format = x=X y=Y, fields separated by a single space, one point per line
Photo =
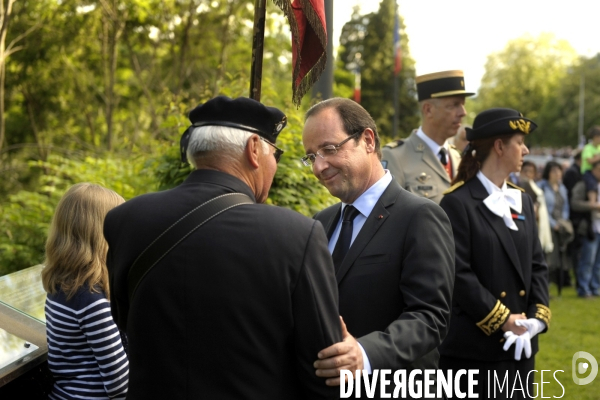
x=368 y=45
x=99 y=91
x=527 y=75
x=26 y=215
x=560 y=115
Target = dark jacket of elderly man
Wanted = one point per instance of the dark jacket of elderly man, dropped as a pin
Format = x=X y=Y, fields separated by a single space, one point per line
x=241 y=307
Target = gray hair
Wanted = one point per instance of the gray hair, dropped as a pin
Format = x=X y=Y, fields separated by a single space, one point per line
x=433 y=101
x=230 y=141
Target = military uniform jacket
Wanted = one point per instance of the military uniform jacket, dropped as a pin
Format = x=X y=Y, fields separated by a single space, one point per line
x=417 y=169
x=239 y=310
x=395 y=283
x=496 y=275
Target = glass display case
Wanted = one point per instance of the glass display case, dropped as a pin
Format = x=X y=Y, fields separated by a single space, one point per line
x=23 y=343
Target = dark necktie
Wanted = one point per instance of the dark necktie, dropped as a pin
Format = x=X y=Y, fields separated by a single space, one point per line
x=443 y=158
x=343 y=242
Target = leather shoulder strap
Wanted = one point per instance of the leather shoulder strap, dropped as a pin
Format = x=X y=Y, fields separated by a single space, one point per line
x=177 y=233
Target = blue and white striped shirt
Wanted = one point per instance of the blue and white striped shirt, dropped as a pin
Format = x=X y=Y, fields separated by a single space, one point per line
x=85 y=353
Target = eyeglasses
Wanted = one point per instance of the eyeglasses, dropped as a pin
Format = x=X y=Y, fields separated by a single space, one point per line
x=278 y=151
x=329 y=150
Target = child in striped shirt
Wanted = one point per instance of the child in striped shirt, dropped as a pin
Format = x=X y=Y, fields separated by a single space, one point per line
x=85 y=352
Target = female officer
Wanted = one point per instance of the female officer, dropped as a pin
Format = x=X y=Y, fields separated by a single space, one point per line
x=501 y=290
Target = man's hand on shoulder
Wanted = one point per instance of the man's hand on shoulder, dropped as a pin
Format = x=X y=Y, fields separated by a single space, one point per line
x=342 y=355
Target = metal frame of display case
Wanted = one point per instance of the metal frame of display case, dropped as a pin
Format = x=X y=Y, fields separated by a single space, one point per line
x=18 y=292
x=29 y=329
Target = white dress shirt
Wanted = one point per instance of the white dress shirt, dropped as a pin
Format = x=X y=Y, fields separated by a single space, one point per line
x=364 y=204
x=435 y=148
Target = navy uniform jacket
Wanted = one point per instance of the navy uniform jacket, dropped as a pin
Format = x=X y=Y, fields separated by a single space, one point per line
x=495 y=275
x=240 y=309
x=395 y=283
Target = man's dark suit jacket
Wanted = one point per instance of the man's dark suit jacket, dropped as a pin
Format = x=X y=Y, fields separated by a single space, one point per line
x=494 y=272
x=571 y=177
x=396 y=281
x=239 y=310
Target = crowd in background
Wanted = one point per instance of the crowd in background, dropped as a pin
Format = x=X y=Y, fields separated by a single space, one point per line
x=565 y=194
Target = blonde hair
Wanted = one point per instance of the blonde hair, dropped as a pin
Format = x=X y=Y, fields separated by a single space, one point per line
x=76 y=249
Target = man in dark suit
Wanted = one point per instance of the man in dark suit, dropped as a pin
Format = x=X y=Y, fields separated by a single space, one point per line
x=240 y=308
x=396 y=279
x=573 y=173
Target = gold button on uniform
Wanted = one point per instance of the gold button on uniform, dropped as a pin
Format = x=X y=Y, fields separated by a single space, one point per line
x=522 y=293
x=502 y=340
x=503 y=294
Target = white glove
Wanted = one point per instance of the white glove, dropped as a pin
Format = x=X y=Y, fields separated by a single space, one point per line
x=522 y=342
x=533 y=325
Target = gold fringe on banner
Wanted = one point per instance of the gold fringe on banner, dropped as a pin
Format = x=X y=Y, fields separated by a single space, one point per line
x=302 y=84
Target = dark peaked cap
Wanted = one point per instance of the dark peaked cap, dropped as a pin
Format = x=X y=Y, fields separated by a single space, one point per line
x=499 y=121
x=441 y=84
x=241 y=113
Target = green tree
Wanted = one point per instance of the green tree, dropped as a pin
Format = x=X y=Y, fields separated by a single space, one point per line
x=99 y=91
x=368 y=41
x=560 y=115
x=26 y=216
x=526 y=75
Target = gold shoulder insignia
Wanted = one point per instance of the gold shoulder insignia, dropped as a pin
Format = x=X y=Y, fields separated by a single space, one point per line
x=495 y=319
x=509 y=183
x=454 y=187
x=543 y=313
x=395 y=143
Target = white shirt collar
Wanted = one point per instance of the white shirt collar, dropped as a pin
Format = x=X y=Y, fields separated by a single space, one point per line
x=365 y=204
x=501 y=200
x=366 y=201
x=435 y=148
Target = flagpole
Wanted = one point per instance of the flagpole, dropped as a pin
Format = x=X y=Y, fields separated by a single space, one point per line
x=323 y=88
x=395 y=130
x=397 y=69
x=258 y=39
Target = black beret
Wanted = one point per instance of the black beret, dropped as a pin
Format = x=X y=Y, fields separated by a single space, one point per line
x=499 y=121
x=241 y=113
x=441 y=84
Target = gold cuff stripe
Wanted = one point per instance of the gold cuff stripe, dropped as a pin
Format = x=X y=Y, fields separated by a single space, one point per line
x=543 y=313
x=494 y=320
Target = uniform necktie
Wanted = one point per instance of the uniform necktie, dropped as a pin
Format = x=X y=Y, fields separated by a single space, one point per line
x=445 y=161
x=443 y=157
x=343 y=242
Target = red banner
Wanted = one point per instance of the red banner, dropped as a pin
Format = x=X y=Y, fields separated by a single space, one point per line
x=309 y=42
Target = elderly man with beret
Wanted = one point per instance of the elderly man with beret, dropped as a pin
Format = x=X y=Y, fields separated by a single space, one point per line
x=223 y=297
x=425 y=163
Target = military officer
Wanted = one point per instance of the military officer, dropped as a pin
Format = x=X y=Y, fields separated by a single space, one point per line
x=425 y=162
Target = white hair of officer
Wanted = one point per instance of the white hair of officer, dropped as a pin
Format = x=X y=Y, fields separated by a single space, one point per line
x=225 y=142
